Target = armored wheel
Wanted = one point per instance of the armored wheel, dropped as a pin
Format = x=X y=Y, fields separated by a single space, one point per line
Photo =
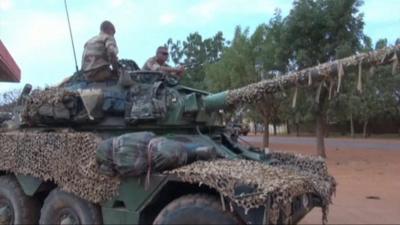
x=64 y=208
x=15 y=206
x=195 y=209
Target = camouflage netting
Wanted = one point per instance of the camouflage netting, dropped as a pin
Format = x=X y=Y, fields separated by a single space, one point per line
x=68 y=159
x=51 y=105
x=332 y=72
x=44 y=155
x=290 y=176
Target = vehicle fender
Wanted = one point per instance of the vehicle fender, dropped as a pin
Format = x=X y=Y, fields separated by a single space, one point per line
x=29 y=184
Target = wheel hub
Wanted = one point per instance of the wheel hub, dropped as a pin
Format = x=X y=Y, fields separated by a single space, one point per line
x=68 y=217
x=6 y=214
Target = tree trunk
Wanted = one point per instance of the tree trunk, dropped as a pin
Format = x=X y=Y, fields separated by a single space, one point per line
x=351 y=126
x=365 y=128
x=297 y=130
x=320 y=133
x=266 y=135
x=326 y=130
x=274 y=124
x=321 y=126
x=288 y=127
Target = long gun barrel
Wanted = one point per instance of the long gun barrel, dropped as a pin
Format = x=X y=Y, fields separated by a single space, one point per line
x=333 y=70
x=216 y=101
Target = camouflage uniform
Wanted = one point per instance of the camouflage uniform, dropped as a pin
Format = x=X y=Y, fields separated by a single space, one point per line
x=152 y=65
x=96 y=57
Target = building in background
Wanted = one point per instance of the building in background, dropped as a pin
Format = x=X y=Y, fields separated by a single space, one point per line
x=9 y=70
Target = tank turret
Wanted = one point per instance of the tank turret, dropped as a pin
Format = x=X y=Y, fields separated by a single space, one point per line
x=155 y=101
x=140 y=99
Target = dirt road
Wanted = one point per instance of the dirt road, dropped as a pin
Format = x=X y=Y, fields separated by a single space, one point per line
x=333 y=143
x=368 y=176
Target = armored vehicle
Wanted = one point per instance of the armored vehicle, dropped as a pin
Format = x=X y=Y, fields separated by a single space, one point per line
x=146 y=150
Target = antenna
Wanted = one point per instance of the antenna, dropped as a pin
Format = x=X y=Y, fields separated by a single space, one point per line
x=70 y=34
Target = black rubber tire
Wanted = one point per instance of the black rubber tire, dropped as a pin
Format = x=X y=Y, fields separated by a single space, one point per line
x=58 y=201
x=195 y=209
x=25 y=208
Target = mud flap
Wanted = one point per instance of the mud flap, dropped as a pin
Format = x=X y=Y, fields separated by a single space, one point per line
x=29 y=184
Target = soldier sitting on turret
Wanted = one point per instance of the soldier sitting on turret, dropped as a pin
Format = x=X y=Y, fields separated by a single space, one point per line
x=158 y=63
x=100 y=52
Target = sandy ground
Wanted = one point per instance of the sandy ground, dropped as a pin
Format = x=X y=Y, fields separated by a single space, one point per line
x=368 y=176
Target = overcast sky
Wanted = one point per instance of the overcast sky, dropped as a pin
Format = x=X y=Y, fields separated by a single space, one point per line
x=36 y=31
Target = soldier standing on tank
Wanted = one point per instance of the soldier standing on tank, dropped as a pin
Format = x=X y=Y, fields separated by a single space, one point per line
x=100 y=52
x=158 y=63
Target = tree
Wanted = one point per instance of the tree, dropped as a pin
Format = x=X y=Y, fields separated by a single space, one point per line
x=250 y=59
x=195 y=53
x=8 y=100
x=344 y=107
x=381 y=98
x=381 y=43
x=319 y=31
x=376 y=100
x=271 y=59
x=237 y=68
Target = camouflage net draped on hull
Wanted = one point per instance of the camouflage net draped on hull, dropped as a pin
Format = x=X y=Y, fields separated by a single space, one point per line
x=68 y=159
x=291 y=176
x=50 y=105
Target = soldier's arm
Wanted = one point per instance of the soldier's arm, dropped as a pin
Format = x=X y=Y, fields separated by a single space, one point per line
x=154 y=66
x=172 y=70
x=112 y=50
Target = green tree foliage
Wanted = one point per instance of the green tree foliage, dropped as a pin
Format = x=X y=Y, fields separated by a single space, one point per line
x=381 y=43
x=194 y=54
x=315 y=31
x=236 y=67
x=378 y=101
x=323 y=30
x=320 y=31
x=271 y=61
x=250 y=59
